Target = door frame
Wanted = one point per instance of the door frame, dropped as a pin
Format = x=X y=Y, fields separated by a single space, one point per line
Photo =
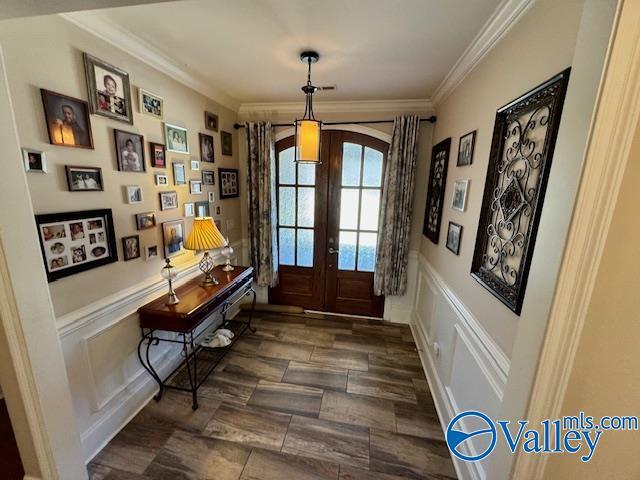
x=352 y=128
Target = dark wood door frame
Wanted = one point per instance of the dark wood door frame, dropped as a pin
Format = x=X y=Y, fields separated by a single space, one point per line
x=323 y=287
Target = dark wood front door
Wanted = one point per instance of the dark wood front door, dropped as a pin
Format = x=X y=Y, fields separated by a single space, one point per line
x=327 y=225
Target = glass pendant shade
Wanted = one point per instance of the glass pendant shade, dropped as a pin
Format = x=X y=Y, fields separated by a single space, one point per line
x=307 y=136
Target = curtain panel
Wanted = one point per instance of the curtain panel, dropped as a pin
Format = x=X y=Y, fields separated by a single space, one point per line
x=261 y=192
x=392 y=255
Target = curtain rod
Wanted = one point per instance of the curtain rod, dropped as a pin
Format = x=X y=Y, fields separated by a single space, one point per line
x=431 y=119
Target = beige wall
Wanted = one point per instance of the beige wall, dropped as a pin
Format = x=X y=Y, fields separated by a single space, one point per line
x=604 y=378
x=46 y=52
x=539 y=46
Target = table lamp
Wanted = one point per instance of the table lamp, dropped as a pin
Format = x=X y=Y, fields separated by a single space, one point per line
x=205 y=236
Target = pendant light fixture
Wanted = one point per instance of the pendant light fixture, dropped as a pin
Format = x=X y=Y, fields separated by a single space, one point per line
x=308 y=130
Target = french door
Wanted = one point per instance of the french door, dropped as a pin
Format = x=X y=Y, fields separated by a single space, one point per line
x=328 y=218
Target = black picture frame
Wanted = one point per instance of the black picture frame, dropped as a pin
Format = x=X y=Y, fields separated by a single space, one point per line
x=73 y=185
x=454 y=237
x=515 y=186
x=465 y=155
x=207 y=150
x=54 y=105
x=211 y=121
x=168 y=194
x=122 y=139
x=154 y=148
x=126 y=254
x=94 y=222
x=117 y=107
x=226 y=140
x=228 y=183
x=436 y=188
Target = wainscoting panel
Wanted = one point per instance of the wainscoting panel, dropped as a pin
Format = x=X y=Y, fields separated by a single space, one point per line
x=465 y=368
x=99 y=342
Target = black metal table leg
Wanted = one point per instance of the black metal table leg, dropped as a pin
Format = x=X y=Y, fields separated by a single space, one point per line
x=151 y=340
x=253 y=307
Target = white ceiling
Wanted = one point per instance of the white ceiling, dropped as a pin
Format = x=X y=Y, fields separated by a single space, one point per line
x=371 y=49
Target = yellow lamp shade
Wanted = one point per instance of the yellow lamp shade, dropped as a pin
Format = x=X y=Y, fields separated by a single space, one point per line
x=308 y=141
x=204 y=235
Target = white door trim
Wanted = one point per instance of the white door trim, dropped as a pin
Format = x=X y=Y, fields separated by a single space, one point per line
x=613 y=128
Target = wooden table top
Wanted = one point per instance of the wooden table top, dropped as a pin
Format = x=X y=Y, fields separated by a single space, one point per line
x=193 y=296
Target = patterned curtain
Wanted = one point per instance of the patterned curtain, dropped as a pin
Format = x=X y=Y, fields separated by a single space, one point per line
x=395 y=209
x=261 y=190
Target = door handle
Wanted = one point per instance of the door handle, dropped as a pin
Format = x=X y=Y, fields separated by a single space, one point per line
x=332 y=250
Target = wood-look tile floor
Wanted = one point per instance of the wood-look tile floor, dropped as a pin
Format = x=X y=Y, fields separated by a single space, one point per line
x=304 y=398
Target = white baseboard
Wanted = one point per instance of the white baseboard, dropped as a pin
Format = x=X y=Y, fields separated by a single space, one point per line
x=465 y=368
x=444 y=407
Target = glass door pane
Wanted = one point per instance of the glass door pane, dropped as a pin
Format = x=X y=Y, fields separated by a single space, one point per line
x=296 y=210
x=361 y=179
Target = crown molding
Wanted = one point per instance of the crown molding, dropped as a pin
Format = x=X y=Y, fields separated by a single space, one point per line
x=360 y=106
x=506 y=15
x=135 y=46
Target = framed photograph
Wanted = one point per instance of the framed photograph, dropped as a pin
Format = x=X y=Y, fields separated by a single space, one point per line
x=212 y=197
x=465 y=149
x=218 y=211
x=211 y=121
x=73 y=242
x=206 y=148
x=227 y=143
x=34 y=161
x=228 y=181
x=150 y=252
x=514 y=190
x=162 y=180
x=435 y=190
x=208 y=177
x=84 y=179
x=133 y=193
x=109 y=89
x=145 y=220
x=173 y=238
x=168 y=200
x=195 y=165
x=67 y=120
x=202 y=209
x=179 y=173
x=131 y=247
x=129 y=151
x=459 y=197
x=151 y=104
x=189 y=210
x=175 y=138
x=158 y=155
x=454 y=234
x=195 y=187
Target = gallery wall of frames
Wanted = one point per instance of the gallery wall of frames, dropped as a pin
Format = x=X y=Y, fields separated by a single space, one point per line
x=119 y=158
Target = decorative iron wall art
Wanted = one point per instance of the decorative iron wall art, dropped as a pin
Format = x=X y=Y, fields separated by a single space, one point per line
x=524 y=138
x=435 y=191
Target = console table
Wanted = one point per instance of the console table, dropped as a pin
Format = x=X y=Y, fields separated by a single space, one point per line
x=189 y=320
